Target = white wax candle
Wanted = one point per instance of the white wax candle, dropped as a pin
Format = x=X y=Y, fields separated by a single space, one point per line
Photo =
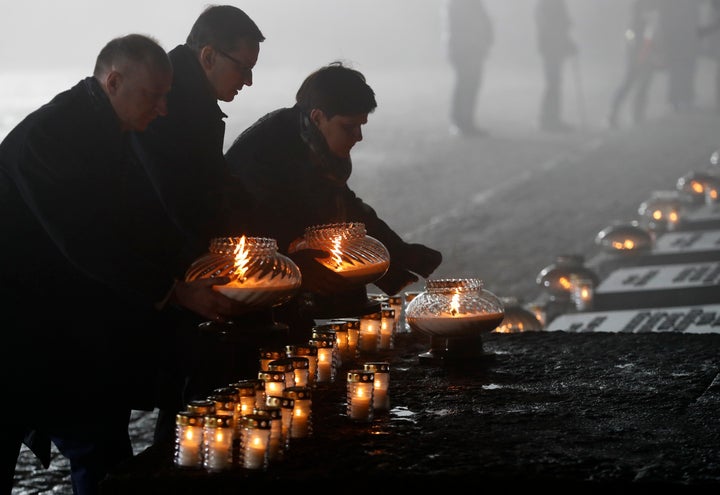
x=360 y=408
x=300 y=427
x=188 y=454
x=324 y=365
x=255 y=452
x=219 y=452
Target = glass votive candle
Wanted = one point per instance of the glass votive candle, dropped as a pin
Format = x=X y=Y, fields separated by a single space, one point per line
x=360 y=385
x=396 y=303
x=247 y=400
x=301 y=370
x=341 y=335
x=369 y=332
x=327 y=331
x=284 y=365
x=218 y=438
x=276 y=447
x=307 y=351
x=268 y=355
x=189 y=440
x=387 y=328
x=224 y=399
x=325 y=359
x=286 y=405
x=381 y=385
x=255 y=441
x=274 y=382
x=353 y=336
x=202 y=407
x=302 y=423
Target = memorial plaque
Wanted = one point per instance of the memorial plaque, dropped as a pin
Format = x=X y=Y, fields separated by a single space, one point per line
x=679 y=319
x=705 y=217
x=651 y=286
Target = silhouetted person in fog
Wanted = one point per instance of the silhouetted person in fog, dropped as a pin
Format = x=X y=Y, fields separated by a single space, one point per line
x=709 y=33
x=643 y=60
x=678 y=34
x=470 y=34
x=555 y=45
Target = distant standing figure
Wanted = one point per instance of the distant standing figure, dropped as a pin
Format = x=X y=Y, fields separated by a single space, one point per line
x=678 y=33
x=470 y=34
x=643 y=59
x=555 y=45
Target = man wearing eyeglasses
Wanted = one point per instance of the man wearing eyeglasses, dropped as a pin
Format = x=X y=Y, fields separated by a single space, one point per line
x=182 y=153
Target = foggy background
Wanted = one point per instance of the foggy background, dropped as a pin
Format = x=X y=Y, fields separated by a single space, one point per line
x=46 y=46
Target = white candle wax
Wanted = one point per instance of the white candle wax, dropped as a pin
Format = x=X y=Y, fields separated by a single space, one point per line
x=219 y=452
x=255 y=452
x=188 y=454
x=360 y=408
x=300 y=422
x=458 y=325
x=324 y=365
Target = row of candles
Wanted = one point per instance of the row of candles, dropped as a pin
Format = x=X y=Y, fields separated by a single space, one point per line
x=249 y=423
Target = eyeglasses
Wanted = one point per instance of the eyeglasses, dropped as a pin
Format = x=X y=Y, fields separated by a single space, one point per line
x=244 y=70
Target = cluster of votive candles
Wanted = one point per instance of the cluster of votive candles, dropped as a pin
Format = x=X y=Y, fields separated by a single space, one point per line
x=249 y=424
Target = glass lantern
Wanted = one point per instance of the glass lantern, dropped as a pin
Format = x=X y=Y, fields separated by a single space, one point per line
x=699 y=187
x=517 y=318
x=556 y=278
x=260 y=276
x=662 y=211
x=359 y=258
x=624 y=238
x=455 y=312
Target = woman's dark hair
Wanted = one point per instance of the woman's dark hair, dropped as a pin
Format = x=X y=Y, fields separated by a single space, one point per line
x=336 y=90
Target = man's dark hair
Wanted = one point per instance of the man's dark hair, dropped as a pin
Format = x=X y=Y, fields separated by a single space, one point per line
x=222 y=27
x=135 y=48
x=336 y=90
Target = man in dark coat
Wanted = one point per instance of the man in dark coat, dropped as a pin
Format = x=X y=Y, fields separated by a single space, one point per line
x=183 y=154
x=88 y=263
x=295 y=163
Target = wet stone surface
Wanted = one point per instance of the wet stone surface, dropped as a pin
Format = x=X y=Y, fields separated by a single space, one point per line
x=543 y=409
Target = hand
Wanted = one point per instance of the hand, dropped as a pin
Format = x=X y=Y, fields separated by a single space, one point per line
x=395 y=280
x=421 y=259
x=316 y=277
x=199 y=297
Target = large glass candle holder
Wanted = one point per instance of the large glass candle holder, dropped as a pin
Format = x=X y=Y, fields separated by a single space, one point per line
x=699 y=187
x=517 y=318
x=260 y=276
x=556 y=278
x=356 y=256
x=457 y=311
x=662 y=211
x=624 y=238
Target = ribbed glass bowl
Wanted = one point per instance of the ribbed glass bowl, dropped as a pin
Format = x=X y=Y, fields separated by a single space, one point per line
x=260 y=275
x=450 y=308
x=358 y=257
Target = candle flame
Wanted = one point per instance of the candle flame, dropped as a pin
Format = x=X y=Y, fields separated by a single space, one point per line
x=657 y=214
x=337 y=251
x=565 y=283
x=697 y=187
x=673 y=216
x=189 y=434
x=257 y=442
x=455 y=304
x=626 y=244
x=713 y=193
x=241 y=260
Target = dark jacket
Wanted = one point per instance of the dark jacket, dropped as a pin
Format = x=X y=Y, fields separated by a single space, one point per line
x=86 y=252
x=183 y=153
x=291 y=191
